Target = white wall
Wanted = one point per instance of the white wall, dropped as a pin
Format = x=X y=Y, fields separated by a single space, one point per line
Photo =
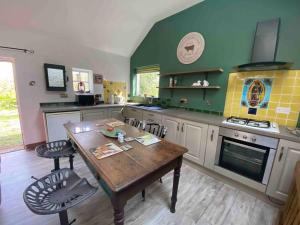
x=56 y=51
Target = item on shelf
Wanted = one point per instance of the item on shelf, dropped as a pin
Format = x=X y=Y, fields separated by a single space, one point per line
x=112 y=99
x=197 y=84
x=205 y=83
x=81 y=87
x=171 y=82
x=175 y=82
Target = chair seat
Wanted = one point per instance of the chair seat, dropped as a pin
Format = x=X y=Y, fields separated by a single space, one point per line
x=57 y=192
x=55 y=149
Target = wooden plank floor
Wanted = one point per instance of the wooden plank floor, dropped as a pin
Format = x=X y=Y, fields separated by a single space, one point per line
x=202 y=200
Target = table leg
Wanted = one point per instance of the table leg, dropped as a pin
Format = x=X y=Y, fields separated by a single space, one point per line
x=118 y=212
x=175 y=186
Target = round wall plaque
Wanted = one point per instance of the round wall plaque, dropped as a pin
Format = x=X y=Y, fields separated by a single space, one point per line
x=190 y=48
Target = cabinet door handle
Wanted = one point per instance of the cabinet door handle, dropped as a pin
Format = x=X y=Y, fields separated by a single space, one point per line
x=178 y=126
x=212 y=135
x=182 y=127
x=281 y=154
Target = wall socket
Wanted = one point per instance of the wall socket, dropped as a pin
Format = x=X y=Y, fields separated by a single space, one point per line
x=183 y=100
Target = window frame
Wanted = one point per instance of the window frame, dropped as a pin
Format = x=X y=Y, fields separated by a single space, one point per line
x=90 y=78
x=137 y=85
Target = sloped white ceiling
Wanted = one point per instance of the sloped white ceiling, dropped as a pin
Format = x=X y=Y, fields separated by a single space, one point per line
x=116 y=26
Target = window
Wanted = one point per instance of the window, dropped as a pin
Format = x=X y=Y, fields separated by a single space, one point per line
x=147 y=81
x=84 y=77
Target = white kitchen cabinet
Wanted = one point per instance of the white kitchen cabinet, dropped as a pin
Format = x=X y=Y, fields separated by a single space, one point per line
x=94 y=114
x=116 y=112
x=55 y=124
x=189 y=134
x=211 y=147
x=288 y=153
x=151 y=117
x=193 y=136
x=133 y=113
x=173 y=125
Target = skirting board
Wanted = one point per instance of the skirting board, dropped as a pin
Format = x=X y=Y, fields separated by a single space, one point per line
x=34 y=145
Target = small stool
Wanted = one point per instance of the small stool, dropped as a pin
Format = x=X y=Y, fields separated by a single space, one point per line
x=57 y=192
x=55 y=150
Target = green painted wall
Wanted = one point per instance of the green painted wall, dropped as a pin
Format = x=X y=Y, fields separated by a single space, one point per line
x=228 y=27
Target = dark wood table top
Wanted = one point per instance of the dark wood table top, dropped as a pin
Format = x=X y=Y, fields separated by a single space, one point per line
x=122 y=169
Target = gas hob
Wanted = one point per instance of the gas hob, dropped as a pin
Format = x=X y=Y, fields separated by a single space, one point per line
x=262 y=125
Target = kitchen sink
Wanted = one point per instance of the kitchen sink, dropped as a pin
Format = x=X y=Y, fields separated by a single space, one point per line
x=150 y=107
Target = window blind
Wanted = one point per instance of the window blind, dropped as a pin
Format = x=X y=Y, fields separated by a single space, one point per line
x=148 y=69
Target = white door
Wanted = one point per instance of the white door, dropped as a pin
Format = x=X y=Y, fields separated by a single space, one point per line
x=193 y=136
x=172 y=125
x=282 y=175
x=55 y=124
x=211 y=146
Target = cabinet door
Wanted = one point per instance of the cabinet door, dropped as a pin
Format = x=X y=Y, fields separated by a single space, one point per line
x=94 y=114
x=211 y=146
x=55 y=124
x=193 y=136
x=172 y=125
x=282 y=175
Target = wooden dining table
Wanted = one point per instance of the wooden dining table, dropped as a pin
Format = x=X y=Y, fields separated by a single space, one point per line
x=127 y=173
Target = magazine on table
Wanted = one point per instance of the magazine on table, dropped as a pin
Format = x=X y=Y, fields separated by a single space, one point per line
x=147 y=139
x=106 y=150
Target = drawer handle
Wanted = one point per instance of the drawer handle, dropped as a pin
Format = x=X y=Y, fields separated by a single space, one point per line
x=182 y=127
x=177 y=126
x=149 y=114
x=281 y=154
x=212 y=135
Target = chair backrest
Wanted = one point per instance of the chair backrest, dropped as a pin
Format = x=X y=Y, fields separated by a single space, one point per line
x=133 y=122
x=155 y=128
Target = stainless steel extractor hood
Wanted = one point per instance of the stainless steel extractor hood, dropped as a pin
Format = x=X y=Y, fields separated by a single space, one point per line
x=265 y=48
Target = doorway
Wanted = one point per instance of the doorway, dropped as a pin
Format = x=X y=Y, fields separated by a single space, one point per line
x=10 y=129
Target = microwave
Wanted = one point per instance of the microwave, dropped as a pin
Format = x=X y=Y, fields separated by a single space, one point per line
x=85 y=99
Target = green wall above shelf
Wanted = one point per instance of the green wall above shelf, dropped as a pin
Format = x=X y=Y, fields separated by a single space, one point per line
x=191 y=87
x=203 y=71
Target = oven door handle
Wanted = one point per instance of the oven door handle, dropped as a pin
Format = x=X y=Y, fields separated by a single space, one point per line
x=246 y=146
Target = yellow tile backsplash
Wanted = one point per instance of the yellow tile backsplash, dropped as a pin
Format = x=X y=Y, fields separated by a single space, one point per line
x=285 y=93
x=115 y=88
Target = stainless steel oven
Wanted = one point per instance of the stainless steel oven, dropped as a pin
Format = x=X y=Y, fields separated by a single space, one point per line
x=246 y=154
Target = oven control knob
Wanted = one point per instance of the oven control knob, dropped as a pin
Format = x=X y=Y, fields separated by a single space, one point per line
x=253 y=139
x=245 y=137
x=236 y=134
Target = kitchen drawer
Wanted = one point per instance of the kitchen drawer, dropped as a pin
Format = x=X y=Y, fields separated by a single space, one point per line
x=152 y=117
x=94 y=114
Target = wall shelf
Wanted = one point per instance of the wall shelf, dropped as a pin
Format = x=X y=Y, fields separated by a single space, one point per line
x=190 y=87
x=204 y=71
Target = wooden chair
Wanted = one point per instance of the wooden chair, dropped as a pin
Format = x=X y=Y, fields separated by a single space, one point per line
x=157 y=130
x=290 y=215
x=133 y=122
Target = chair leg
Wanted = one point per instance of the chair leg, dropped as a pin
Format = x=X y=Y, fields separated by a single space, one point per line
x=71 y=161
x=63 y=217
x=56 y=164
x=144 y=195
